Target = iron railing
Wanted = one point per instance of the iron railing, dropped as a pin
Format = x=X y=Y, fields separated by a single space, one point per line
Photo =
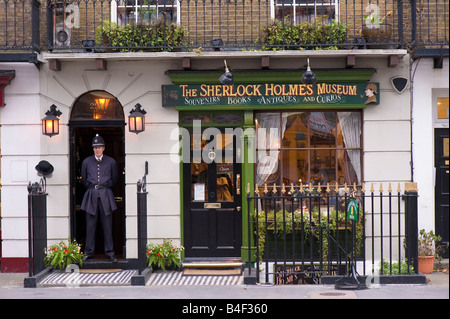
x=299 y=234
x=19 y=25
x=165 y=25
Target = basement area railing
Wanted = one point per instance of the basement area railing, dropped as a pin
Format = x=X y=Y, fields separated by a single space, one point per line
x=300 y=234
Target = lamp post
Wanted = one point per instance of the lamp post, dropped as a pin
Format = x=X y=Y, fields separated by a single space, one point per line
x=136 y=119
x=50 y=123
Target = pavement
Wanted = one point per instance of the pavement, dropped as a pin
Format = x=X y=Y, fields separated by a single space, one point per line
x=11 y=287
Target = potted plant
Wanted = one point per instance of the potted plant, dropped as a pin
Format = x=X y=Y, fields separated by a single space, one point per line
x=428 y=250
x=377 y=30
x=164 y=255
x=61 y=255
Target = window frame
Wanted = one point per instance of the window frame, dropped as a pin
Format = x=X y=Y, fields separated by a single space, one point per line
x=120 y=4
x=309 y=148
x=314 y=4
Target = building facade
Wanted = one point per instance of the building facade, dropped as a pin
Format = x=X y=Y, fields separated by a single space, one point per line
x=205 y=141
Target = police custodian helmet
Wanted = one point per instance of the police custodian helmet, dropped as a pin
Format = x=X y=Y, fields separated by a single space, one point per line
x=98 y=141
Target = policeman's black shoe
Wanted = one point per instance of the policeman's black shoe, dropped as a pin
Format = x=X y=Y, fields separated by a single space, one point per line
x=112 y=259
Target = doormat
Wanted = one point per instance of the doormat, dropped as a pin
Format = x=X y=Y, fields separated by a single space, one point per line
x=88 y=277
x=176 y=278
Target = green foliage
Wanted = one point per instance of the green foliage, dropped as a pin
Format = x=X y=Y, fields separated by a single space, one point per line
x=60 y=255
x=428 y=244
x=313 y=34
x=156 y=36
x=162 y=255
x=311 y=225
x=395 y=268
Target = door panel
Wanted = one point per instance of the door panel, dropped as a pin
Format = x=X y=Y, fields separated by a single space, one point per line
x=212 y=220
x=442 y=186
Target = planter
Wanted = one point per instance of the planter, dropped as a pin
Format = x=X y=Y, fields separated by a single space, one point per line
x=380 y=34
x=426 y=264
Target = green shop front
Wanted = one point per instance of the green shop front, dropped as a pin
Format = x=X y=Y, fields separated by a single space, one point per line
x=267 y=129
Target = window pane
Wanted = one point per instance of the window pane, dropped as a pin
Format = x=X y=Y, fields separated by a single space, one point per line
x=295 y=131
x=348 y=160
x=322 y=127
x=442 y=108
x=295 y=167
x=199 y=181
x=349 y=129
x=97 y=105
x=323 y=166
x=268 y=145
x=268 y=130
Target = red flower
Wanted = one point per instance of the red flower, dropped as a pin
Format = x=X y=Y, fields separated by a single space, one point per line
x=159 y=255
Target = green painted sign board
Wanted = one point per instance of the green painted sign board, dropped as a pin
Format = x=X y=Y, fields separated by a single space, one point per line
x=352 y=210
x=271 y=94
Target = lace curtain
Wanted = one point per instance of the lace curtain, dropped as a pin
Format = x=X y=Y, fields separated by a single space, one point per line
x=268 y=145
x=351 y=132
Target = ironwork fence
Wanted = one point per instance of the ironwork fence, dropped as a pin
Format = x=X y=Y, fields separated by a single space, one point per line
x=300 y=234
x=165 y=25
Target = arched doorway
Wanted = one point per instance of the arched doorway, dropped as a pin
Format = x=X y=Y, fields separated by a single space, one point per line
x=97 y=112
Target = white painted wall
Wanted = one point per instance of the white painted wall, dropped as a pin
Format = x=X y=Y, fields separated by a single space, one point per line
x=21 y=148
x=428 y=84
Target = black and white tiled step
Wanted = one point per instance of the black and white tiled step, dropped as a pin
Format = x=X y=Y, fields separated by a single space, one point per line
x=79 y=278
x=176 y=278
x=123 y=278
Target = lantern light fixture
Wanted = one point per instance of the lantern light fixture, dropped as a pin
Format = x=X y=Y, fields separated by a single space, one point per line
x=50 y=123
x=308 y=77
x=227 y=77
x=102 y=103
x=136 y=119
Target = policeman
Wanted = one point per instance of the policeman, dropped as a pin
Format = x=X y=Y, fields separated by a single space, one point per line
x=99 y=175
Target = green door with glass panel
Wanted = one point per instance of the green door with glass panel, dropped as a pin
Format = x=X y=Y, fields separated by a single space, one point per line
x=212 y=201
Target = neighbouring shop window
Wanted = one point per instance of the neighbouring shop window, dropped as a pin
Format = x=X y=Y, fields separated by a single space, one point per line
x=308 y=147
x=146 y=11
x=442 y=108
x=298 y=11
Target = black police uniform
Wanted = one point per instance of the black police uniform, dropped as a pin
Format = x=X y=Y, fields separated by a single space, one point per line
x=99 y=176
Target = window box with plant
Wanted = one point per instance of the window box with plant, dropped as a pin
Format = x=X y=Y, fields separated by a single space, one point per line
x=316 y=34
x=61 y=255
x=165 y=255
x=152 y=37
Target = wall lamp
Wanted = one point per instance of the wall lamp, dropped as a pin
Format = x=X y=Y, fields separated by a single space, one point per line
x=227 y=77
x=136 y=119
x=50 y=123
x=309 y=77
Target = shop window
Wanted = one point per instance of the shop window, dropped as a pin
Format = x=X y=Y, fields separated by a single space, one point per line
x=442 y=108
x=298 y=11
x=308 y=147
x=145 y=11
x=97 y=105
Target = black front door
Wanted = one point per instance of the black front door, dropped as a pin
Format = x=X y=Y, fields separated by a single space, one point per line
x=442 y=184
x=81 y=147
x=211 y=195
